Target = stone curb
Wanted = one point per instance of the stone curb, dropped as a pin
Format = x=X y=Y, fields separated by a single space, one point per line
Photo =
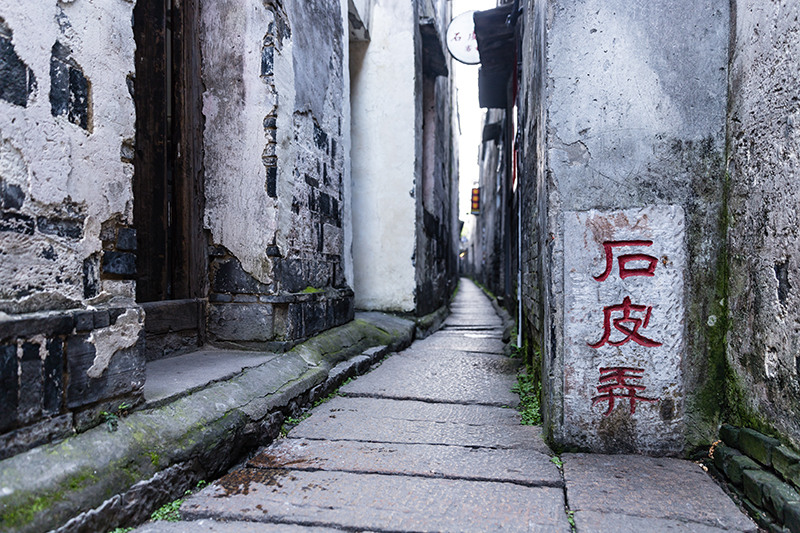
x=96 y=480
x=764 y=475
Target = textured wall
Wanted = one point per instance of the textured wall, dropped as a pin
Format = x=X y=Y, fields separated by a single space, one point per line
x=636 y=118
x=384 y=158
x=66 y=128
x=69 y=328
x=763 y=238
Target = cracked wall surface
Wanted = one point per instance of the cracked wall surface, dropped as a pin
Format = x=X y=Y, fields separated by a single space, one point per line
x=635 y=117
x=764 y=243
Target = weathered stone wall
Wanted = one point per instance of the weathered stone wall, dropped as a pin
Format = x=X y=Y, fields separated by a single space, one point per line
x=435 y=255
x=487 y=264
x=69 y=329
x=275 y=167
x=763 y=342
x=635 y=119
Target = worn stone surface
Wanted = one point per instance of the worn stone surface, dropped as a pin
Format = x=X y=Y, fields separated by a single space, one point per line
x=173 y=376
x=757 y=445
x=783 y=459
x=663 y=489
x=755 y=483
x=522 y=466
x=442 y=376
x=729 y=435
x=370 y=501
x=241 y=322
x=427 y=423
x=624 y=310
x=213 y=526
x=764 y=246
x=213 y=426
x=594 y=522
x=737 y=466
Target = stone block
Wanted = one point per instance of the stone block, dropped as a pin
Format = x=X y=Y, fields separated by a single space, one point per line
x=230 y=277
x=84 y=321
x=53 y=377
x=754 y=483
x=101 y=319
x=777 y=495
x=723 y=455
x=792 y=475
x=362 y=363
x=17 y=223
x=292 y=275
x=31 y=392
x=757 y=446
x=126 y=239
x=35 y=435
x=315 y=317
x=67 y=228
x=119 y=263
x=241 y=322
x=17 y=81
x=783 y=458
x=13 y=197
x=737 y=466
x=791 y=517
x=729 y=435
x=9 y=386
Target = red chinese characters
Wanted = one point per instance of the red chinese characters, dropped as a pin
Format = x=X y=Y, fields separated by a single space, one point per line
x=628 y=319
x=614 y=385
x=623 y=260
x=631 y=332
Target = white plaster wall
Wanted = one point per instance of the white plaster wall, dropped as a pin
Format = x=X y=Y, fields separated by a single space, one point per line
x=347 y=185
x=239 y=213
x=55 y=161
x=383 y=160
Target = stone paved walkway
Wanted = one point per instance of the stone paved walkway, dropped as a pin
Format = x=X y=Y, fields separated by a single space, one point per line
x=428 y=441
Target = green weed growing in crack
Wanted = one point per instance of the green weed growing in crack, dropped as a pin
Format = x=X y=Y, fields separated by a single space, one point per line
x=170 y=512
x=556 y=460
x=571 y=520
x=111 y=419
x=528 y=389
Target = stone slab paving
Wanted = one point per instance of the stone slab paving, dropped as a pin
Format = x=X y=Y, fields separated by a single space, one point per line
x=214 y=526
x=661 y=491
x=450 y=376
x=409 y=422
x=379 y=502
x=420 y=444
x=521 y=466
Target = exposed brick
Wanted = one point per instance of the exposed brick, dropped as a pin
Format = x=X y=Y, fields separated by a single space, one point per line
x=119 y=263
x=84 y=321
x=17 y=81
x=791 y=517
x=13 y=197
x=729 y=435
x=17 y=223
x=777 y=495
x=757 y=445
x=292 y=275
x=67 y=228
x=783 y=458
x=54 y=377
x=31 y=393
x=101 y=319
x=126 y=239
x=9 y=386
x=91 y=276
x=230 y=277
x=737 y=466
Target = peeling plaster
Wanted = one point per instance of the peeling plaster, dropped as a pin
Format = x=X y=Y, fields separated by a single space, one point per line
x=110 y=340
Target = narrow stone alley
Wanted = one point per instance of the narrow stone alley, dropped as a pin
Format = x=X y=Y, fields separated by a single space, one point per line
x=430 y=441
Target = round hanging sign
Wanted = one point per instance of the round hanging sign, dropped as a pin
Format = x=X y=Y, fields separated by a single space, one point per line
x=461 y=41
